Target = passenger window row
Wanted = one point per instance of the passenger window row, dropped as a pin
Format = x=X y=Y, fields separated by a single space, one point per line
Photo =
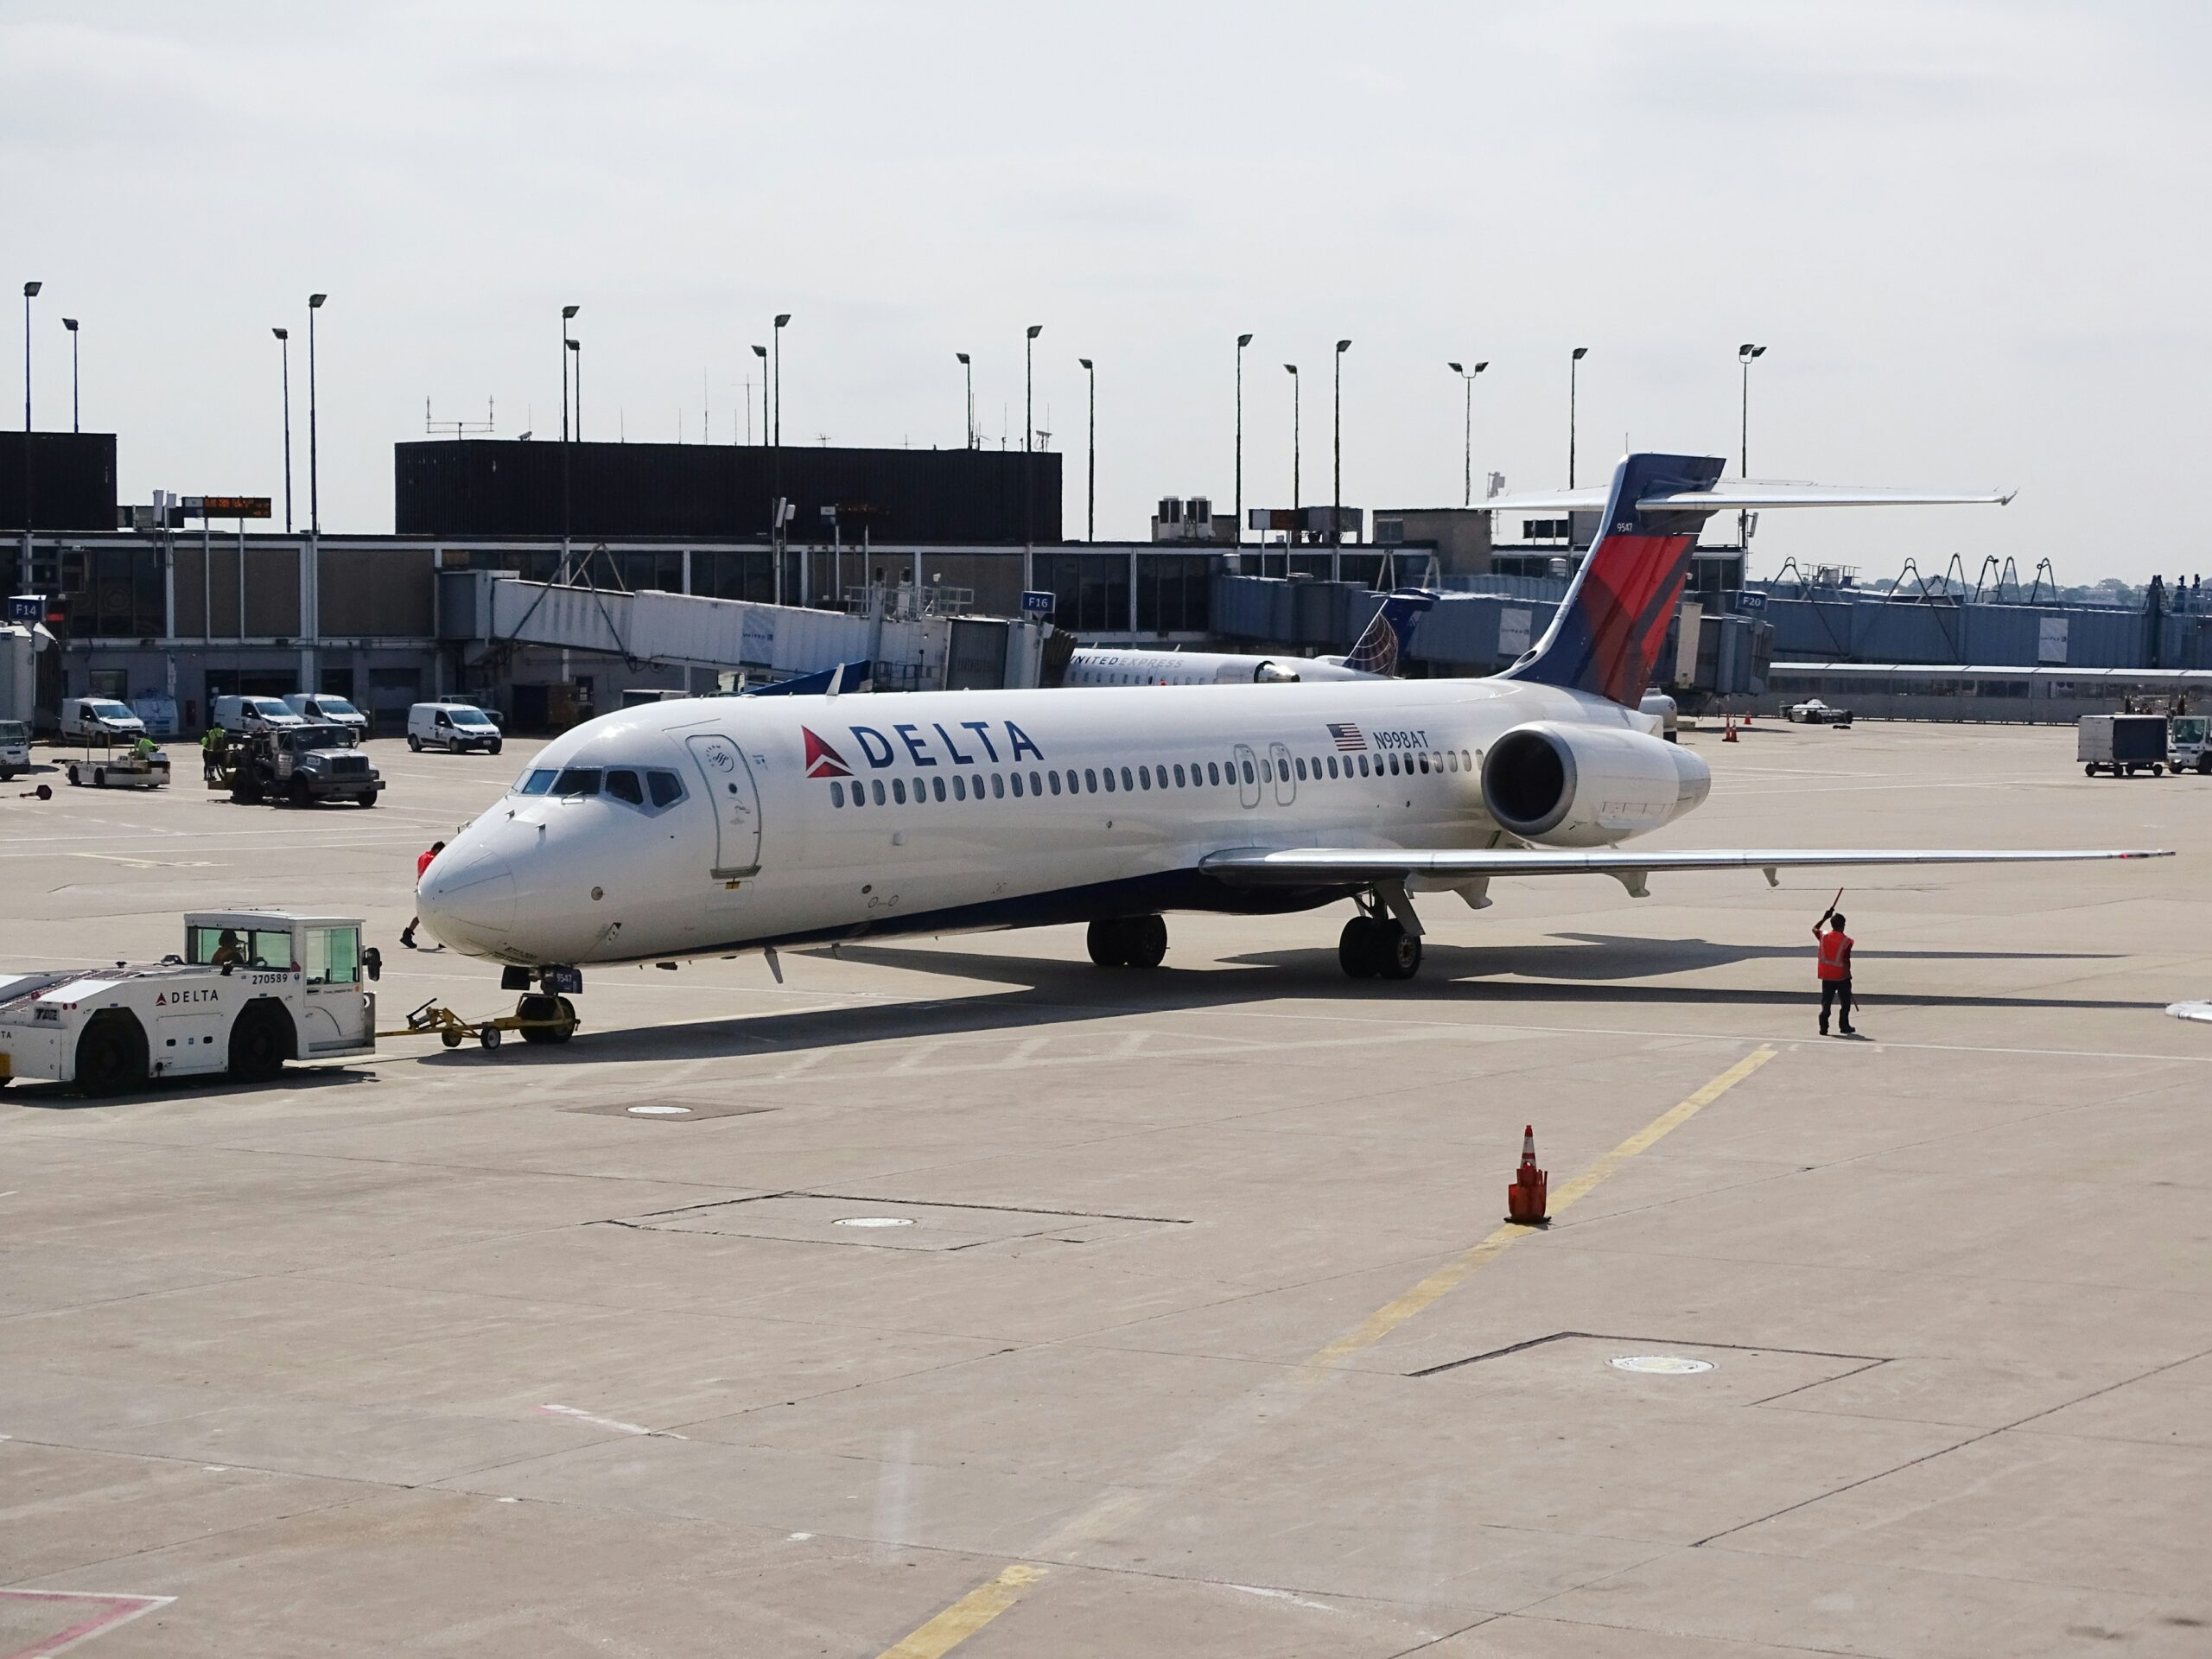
x=1210 y=774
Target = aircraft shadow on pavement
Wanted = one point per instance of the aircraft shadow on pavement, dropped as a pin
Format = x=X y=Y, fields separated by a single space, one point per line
x=1052 y=991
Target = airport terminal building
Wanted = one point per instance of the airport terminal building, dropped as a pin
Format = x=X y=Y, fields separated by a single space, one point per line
x=176 y=602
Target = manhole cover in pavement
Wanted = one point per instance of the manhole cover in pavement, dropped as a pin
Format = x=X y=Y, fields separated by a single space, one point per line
x=667 y=1108
x=1660 y=1365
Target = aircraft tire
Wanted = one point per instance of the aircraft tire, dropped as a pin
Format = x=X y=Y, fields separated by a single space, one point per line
x=1399 y=952
x=1108 y=941
x=539 y=1007
x=1145 y=942
x=1359 y=947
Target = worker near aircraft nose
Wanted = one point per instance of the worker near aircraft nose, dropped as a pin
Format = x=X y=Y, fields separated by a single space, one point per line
x=1834 y=969
x=423 y=862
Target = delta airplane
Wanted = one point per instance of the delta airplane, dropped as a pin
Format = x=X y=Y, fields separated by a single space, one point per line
x=708 y=827
x=1375 y=655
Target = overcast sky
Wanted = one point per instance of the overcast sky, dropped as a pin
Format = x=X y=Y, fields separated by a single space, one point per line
x=1974 y=236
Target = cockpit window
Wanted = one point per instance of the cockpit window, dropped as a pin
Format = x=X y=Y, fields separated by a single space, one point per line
x=667 y=788
x=577 y=780
x=536 y=782
x=623 y=786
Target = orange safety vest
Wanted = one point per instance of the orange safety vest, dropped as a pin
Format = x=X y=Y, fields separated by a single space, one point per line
x=1835 y=955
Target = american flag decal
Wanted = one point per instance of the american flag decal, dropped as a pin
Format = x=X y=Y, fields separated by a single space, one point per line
x=1347 y=737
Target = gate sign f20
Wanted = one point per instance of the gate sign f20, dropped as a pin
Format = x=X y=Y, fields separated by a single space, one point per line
x=1036 y=604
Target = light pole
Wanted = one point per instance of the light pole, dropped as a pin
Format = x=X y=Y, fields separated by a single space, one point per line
x=568 y=315
x=70 y=323
x=1028 y=455
x=30 y=292
x=1467 y=479
x=1296 y=449
x=776 y=451
x=1573 y=363
x=576 y=351
x=1090 y=514
x=967 y=440
x=1336 y=445
x=1237 y=508
x=1746 y=355
x=761 y=351
x=284 y=350
x=314 y=495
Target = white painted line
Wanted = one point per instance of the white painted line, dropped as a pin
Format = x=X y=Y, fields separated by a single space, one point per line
x=597 y=1421
x=102 y=1612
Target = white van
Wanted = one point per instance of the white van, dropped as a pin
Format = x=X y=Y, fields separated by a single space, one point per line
x=456 y=726
x=321 y=709
x=15 y=748
x=93 y=718
x=237 y=714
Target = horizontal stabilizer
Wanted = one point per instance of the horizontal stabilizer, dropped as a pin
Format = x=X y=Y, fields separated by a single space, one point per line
x=1757 y=495
x=1325 y=866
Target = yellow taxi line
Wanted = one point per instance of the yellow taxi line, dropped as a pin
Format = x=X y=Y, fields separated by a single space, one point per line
x=987 y=1601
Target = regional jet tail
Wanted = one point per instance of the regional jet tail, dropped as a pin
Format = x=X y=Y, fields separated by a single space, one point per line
x=699 y=828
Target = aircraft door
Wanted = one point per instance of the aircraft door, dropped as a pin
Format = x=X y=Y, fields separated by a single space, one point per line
x=1285 y=785
x=729 y=785
x=1248 y=774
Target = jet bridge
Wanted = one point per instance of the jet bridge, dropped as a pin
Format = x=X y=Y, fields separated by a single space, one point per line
x=908 y=650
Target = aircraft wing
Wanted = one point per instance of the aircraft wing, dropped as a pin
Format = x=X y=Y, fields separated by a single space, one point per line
x=1329 y=866
x=1758 y=495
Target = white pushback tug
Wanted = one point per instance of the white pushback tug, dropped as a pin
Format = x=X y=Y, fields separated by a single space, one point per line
x=252 y=989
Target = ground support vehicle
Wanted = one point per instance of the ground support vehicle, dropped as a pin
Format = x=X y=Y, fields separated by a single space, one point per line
x=110 y=766
x=456 y=728
x=15 y=748
x=238 y=716
x=2189 y=744
x=252 y=989
x=2122 y=743
x=299 y=766
x=1813 y=712
x=540 y=1018
x=323 y=709
x=99 y=720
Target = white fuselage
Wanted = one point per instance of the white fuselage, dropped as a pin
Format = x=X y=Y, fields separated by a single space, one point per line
x=974 y=809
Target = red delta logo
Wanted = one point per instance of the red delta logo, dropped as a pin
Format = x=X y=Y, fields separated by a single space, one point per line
x=822 y=760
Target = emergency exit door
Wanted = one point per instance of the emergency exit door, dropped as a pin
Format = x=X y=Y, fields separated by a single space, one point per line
x=729 y=785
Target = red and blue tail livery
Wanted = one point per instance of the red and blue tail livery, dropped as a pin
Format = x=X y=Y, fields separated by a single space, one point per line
x=1610 y=626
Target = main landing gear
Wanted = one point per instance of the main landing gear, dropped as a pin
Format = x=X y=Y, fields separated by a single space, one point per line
x=1377 y=944
x=1128 y=942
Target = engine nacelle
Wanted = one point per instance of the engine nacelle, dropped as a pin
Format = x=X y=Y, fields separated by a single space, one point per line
x=1588 y=786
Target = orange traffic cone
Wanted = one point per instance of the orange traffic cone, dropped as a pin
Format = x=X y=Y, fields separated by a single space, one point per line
x=1524 y=1198
x=1728 y=732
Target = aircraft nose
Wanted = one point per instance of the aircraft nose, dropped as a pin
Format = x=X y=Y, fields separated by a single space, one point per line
x=469 y=902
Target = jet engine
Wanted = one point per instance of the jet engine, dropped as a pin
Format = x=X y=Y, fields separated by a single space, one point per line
x=1567 y=785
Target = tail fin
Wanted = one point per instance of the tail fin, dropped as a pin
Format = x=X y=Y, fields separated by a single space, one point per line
x=1609 y=629
x=1383 y=647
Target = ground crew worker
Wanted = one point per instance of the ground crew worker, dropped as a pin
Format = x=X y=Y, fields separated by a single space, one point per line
x=144 y=748
x=421 y=863
x=229 y=953
x=211 y=755
x=1834 y=969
